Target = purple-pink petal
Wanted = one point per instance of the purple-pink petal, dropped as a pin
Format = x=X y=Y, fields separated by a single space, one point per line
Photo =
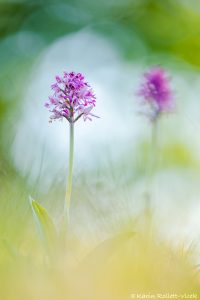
x=155 y=90
x=72 y=97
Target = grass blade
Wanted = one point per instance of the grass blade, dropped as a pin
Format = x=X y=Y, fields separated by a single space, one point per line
x=45 y=225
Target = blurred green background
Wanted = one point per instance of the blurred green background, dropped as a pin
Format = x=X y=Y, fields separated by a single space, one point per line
x=132 y=35
x=112 y=42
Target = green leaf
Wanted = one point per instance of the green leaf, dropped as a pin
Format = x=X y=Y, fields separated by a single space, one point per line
x=45 y=225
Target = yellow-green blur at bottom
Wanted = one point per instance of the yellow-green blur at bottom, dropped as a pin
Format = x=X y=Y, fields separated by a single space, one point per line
x=132 y=264
x=133 y=230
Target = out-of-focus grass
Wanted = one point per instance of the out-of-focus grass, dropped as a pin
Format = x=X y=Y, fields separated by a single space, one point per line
x=126 y=258
x=114 y=249
x=133 y=261
x=100 y=259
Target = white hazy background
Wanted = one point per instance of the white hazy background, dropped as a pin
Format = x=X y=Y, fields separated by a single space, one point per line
x=41 y=148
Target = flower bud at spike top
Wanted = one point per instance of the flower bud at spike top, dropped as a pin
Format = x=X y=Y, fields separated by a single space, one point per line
x=72 y=98
x=156 y=92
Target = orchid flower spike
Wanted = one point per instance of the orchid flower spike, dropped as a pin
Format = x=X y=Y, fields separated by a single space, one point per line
x=156 y=93
x=72 y=98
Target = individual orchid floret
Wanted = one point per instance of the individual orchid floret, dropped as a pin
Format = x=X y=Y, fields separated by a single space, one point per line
x=156 y=93
x=72 y=98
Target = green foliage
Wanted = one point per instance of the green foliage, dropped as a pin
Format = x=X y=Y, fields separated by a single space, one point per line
x=45 y=225
x=143 y=31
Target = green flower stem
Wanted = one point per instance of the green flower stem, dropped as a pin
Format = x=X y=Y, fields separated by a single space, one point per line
x=152 y=165
x=70 y=170
x=154 y=147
